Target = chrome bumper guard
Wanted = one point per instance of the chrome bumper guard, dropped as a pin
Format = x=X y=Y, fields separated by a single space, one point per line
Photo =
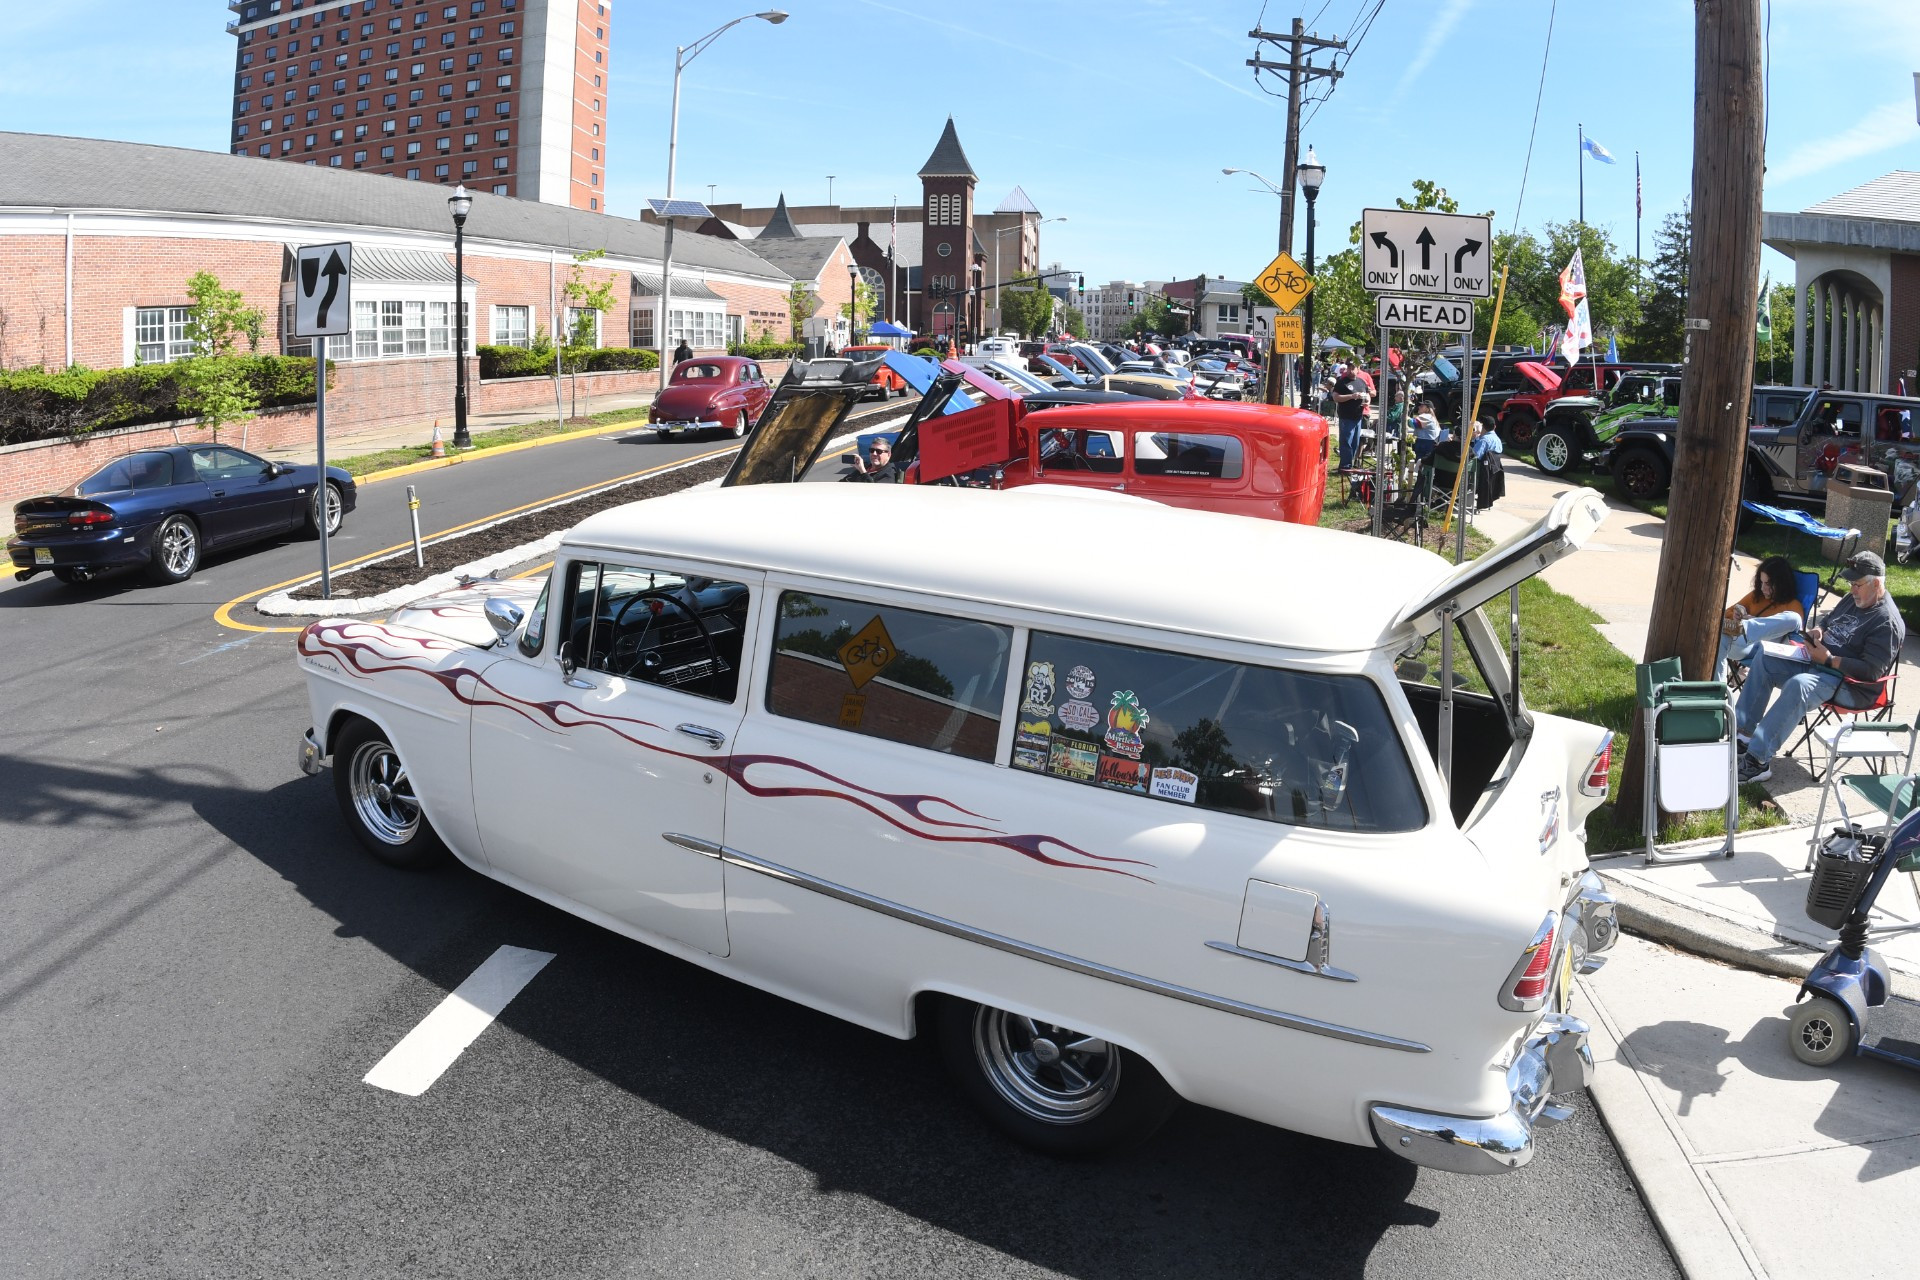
x=1553 y=1059
x=686 y=426
x=311 y=759
x=1592 y=922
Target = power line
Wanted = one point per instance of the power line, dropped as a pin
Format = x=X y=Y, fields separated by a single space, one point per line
x=1538 y=94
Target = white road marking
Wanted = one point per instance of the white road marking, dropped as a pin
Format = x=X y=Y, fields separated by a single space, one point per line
x=412 y=1066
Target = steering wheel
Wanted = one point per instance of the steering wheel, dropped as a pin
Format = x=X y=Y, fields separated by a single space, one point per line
x=636 y=645
x=1067 y=460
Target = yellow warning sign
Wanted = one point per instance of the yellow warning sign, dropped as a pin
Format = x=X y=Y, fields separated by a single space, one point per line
x=870 y=650
x=1285 y=281
x=1290 y=335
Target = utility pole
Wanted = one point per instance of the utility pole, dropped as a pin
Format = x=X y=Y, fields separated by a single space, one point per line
x=1724 y=275
x=1299 y=75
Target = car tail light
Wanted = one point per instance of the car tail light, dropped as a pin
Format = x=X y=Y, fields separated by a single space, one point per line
x=83 y=519
x=1528 y=985
x=1599 y=770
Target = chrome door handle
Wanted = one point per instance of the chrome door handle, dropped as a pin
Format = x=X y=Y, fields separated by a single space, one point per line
x=712 y=737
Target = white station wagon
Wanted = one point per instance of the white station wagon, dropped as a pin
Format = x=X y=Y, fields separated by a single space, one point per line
x=1126 y=803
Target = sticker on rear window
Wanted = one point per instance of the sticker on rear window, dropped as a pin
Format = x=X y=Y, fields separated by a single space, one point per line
x=1174 y=784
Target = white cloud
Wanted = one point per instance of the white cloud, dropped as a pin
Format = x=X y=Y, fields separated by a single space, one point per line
x=1887 y=125
x=1429 y=48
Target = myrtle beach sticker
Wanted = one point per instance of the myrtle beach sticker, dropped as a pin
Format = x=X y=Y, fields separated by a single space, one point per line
x=1125 y=719
x=1174 y=784
x=1079 y=715
x=1034 y=758
x=1038 y=700
x=1080 y=682
x=1033 y=733
x=1073 y=760
x=1122 y=774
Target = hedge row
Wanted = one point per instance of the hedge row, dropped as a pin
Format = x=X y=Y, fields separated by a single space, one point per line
x=519 y=362
x=766 y=350
x=39 y=405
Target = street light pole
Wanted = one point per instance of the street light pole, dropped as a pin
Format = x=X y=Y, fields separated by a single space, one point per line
x=1281 y=374
x=853 y=300
x=681 y=57
x=1311 y=174
x=459 y=203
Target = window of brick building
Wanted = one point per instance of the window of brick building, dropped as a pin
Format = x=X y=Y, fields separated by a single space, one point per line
x=468 y=168
x=500 y=188
x=511 y=327
x=413 y=175
x=440 y=172
x=501 y=164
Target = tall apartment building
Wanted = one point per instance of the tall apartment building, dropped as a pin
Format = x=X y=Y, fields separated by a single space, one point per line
x=505 y=96
x=1106 y=309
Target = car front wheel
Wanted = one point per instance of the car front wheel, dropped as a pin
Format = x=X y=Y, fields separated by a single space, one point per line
x=1048 y=1086
x=376 y=796
x=1552 y=451
x=1641 y=474
x=175 y=551
x=1519 y=428
x=329 y=499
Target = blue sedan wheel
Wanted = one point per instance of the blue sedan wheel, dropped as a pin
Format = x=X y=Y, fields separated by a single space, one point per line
x=330 y=495
x=175 y=552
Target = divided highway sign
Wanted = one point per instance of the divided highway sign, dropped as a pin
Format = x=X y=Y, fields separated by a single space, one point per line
x=1447 y=315
x=323 y=290
x=1404 y=251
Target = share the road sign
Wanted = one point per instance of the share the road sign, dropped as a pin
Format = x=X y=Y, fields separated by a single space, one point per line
x=1447 y=315
x=323 y=290
x=1408 y=251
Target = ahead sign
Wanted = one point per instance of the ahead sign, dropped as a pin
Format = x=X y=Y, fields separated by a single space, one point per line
x=1405 y=251
x=322 y=290
x=1448 y=315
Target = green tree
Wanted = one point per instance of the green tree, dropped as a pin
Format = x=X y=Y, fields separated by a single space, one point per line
x=1074 y=321
x=213 y=387
x=1520 y=323
x=1659 y=332
x=591 y=301
x=1254 y=296
x=1534 y=281
x=1028 y=312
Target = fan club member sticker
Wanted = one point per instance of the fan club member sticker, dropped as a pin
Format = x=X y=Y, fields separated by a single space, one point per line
x=1125 y=719
x=1122 y=774
x=1174 y=784
x=1073 y=760
x=1038 y=699
x=1079 y=715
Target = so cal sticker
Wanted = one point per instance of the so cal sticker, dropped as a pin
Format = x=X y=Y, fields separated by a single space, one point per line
x=1038 y=700
x=1125 y=719
x=1079 y=715
x=1174 y=784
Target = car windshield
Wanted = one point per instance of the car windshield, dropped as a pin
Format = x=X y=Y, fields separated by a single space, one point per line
x=698 y=373
x=135 y=471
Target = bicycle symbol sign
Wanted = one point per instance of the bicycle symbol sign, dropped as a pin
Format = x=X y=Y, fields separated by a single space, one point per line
x=868 y=652
x=1285 y=281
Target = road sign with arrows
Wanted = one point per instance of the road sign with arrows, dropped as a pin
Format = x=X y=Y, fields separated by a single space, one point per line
x=1417 y=251
x=323 y=290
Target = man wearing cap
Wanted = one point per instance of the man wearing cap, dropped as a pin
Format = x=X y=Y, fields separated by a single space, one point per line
x=1860 y=640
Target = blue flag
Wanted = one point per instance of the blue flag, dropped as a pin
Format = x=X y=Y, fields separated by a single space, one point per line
x=1613 y=350
x=1597 y=151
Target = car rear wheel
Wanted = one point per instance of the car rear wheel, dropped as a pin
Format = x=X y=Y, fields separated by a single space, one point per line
x=1641 y=474
x=175 y=550
x=740 y=424
x=335 y=505
x=376 y=796
x=1050 y=1087
x=1519 y=427
x=1552 y=451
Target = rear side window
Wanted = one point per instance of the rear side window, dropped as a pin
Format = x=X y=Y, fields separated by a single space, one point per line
x=1291 y=747
x=1069 y=450
x=1182 y=453
x=882 y=672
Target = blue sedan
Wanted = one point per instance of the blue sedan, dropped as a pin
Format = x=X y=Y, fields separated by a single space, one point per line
x=163 y=509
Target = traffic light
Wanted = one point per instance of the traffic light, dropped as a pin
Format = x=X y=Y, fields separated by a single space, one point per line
x=1129 y=299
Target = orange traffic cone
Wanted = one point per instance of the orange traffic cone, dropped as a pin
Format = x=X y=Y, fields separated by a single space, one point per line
x=439 y=445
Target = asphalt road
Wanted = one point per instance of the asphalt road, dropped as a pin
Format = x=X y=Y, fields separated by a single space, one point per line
x=200 y=966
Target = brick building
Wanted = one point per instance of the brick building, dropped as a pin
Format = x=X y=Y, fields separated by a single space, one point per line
x=505 y=96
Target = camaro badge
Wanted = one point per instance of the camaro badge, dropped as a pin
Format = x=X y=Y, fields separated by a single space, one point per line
x=1550 y=818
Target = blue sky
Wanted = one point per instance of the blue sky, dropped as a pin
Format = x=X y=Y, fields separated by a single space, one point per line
x=1117 y=114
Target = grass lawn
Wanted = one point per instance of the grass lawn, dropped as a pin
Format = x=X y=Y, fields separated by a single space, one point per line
x=1567 y=668
x=362 y=464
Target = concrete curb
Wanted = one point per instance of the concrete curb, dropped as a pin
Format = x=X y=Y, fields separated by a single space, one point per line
x=1692 y=1218
x=455 y=459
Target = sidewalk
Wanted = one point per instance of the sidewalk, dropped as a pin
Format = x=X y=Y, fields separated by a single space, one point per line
x=1753 y=1164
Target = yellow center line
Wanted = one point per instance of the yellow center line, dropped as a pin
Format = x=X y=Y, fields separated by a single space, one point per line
x=224 y=614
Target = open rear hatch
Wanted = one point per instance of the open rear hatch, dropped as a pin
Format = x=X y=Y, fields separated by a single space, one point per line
x=1563 y=530
x=806 y=411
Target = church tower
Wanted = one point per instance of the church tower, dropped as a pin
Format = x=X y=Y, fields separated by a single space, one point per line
x=946 y=243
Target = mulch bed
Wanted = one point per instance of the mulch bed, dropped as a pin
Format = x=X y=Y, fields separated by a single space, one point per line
x=450 y=553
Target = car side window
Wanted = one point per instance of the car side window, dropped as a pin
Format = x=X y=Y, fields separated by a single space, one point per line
x=534 y=634
x=903 y=675
x=657 y=627
x=1186 y=453
x=220 y=463
x=150 y=470
x=1095 y=451
x=1293 y=747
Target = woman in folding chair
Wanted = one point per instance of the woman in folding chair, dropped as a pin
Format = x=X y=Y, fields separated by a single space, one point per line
x=1769 y=611
x=1857 y=644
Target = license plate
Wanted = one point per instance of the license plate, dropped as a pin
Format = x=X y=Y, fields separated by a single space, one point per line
x=43 y=555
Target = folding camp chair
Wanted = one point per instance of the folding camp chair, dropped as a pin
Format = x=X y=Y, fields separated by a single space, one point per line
x=1807 y=588
x=1867 y=702
x=1802 y=522
x=1406 y=513
x=1693 y=758
x=1891 y=791
x=1445 y=463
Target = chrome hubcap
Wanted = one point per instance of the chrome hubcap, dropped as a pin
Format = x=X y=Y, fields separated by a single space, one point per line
x=333 y=507
x=1553 y=452
x=383 y=793
x=1051 y=1073
x=177 y=547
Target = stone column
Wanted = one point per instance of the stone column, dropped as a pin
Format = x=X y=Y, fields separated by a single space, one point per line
x=1799 y=378
x=1822 y=302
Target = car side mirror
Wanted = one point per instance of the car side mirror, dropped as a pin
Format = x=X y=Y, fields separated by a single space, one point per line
x=504 y=616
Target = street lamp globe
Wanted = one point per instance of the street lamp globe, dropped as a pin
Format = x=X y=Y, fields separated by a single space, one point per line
x=1312 y=174
x=775 y=16
x=460 y=202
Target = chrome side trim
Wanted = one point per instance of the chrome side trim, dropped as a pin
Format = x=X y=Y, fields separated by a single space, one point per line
x=693 y=844
x=1298 y=966
x=1058 y=959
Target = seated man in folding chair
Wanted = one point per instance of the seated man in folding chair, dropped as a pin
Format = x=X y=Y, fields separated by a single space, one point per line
x=1859 y=640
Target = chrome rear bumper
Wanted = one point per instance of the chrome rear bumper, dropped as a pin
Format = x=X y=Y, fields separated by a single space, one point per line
x=311 y=759
x=1554 y=1058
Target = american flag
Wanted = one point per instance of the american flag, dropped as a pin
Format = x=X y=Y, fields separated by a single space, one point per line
x=1639 y=208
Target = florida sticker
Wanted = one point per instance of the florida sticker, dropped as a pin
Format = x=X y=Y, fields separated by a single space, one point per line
x=1073 y=760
